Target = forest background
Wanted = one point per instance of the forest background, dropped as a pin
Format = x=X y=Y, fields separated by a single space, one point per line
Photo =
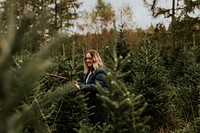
x=153 y=74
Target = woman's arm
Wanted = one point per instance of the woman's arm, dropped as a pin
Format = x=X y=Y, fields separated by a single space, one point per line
x=100 y=79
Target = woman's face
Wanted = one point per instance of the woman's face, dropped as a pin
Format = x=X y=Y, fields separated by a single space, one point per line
x=88 y=59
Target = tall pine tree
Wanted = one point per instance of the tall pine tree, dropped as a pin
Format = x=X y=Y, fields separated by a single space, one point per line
x=124 y=106
x=151 y=81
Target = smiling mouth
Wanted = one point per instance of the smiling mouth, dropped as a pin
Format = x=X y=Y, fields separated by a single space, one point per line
x=89 y=63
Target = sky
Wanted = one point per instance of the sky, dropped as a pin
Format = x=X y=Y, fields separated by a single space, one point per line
x=141 y=16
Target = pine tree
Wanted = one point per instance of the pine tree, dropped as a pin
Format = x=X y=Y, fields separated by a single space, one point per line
x=188 y=77
x=72 y=108
x=184 y=76
x=23 y=103
x=125 y=112
x=123 y=51
x=118 y=64
x=122 y=47
x=125 y=109
x=151 y=81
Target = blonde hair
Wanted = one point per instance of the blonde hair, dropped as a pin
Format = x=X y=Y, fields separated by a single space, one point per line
x=97 y=62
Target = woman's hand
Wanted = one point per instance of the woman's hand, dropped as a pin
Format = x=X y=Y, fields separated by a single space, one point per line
x=76 y=85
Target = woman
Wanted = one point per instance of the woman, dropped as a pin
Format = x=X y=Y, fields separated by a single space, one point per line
x=94 y=74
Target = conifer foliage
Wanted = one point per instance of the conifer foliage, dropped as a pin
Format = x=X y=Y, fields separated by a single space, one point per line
x=123 y=105
x=150 y=80
x=145 y=94
x=24 y=106
x=124 y=52
x=122 y=47
x=72 y=108
x=188 y=79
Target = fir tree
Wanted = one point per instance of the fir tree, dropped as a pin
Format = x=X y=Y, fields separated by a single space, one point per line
x=123 y=51
x=24 y=105
x=72 y=108
x=125 y=112
x=188 y=78
x=122 y=47
x=151 y=81
x=185 y=93
x=117 y=64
